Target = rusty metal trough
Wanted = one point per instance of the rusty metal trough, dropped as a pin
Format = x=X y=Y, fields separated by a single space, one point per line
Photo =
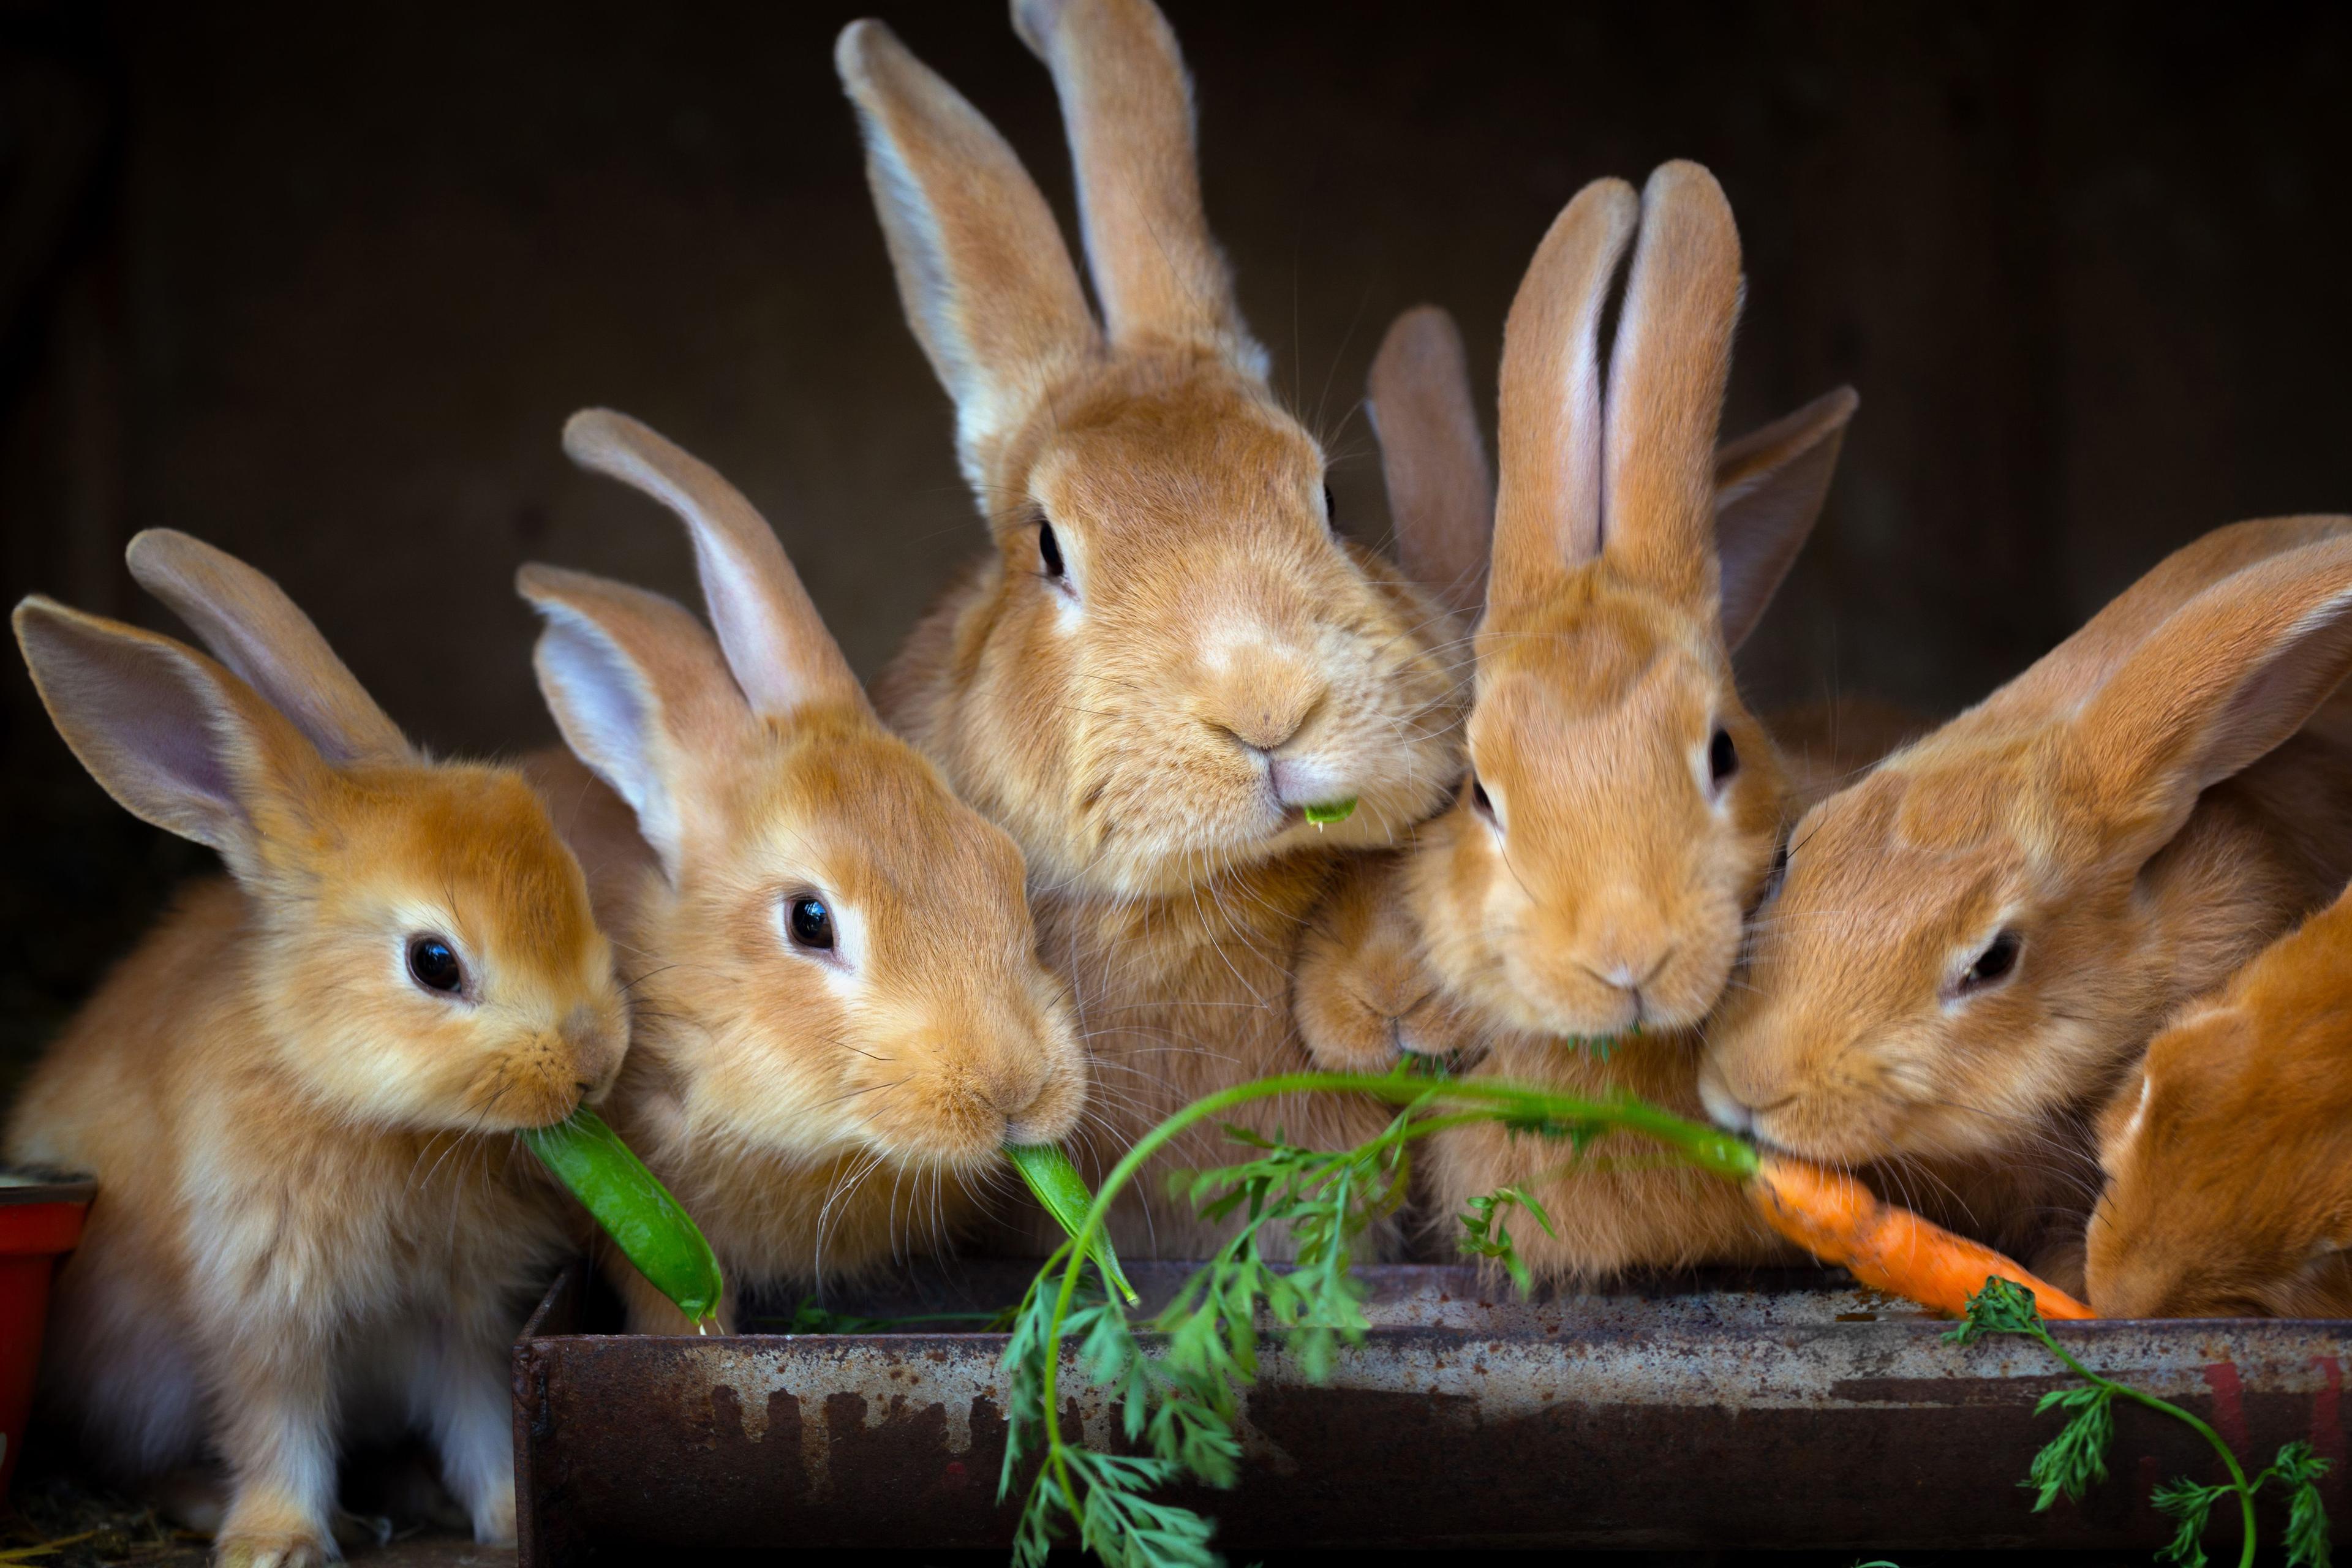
x=1778 y=1410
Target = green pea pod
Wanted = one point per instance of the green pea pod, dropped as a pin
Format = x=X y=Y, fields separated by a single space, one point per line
x=1331 y=811
x=1067 y=1197
x=635 y=1210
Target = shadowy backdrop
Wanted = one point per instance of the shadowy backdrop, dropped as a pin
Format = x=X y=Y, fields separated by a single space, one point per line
x=320 y=285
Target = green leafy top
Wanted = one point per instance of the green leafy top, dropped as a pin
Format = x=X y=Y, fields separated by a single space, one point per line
x=2070 y=1463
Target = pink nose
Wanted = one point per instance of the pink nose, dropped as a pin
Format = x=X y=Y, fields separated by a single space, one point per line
x=1624 y=966
x=1263 y=698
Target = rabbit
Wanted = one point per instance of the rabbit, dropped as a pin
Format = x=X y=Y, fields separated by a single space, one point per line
x=841 y=1016
x=297 y=1092
x=1964 y=951
x=2228 y=1147
x=1643 y=803
x=1169 y=653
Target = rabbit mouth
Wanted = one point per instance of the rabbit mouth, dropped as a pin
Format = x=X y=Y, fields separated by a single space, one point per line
x=515 y=1101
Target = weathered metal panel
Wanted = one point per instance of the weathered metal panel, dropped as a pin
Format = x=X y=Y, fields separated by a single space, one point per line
x=1771 y=1413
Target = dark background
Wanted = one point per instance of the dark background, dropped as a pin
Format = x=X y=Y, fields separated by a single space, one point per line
x=321 y=285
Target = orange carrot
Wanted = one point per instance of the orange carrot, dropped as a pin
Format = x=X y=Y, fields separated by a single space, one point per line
x=1832 y=1216
x=1838 y=1220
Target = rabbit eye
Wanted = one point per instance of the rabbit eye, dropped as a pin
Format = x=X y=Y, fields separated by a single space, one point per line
x=1722 y=758
x=1049 y=555
x=1484 y=802
x=433 y=963
x=1994 y=963
x=812 y=924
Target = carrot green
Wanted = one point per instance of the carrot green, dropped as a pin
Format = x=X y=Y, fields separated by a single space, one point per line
x=1066 y=1197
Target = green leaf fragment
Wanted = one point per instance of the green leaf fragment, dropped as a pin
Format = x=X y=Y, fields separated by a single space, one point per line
x=2075 y=1459
x=1066 y=1197
x=2298 y=1469
x=1485 y=1235
x=2189 y=1505
x=1331 y=811
x=629 y=1203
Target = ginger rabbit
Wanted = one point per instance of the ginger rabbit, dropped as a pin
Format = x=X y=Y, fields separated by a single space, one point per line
x=1579 y=908
x=840 y=1014
x=1967 y=950
x=2228 y=1149
x=1168 y=654
x=297 y=1092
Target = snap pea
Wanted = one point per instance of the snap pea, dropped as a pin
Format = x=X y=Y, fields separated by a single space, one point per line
x=1331 y=811
x=1067 y=1197
x=634 y=1209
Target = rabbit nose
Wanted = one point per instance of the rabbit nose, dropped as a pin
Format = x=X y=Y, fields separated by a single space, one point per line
x=1264 y=698
x=1037 y=1101
x=1261 y=730
x=1629 y=975
x=595 y=1048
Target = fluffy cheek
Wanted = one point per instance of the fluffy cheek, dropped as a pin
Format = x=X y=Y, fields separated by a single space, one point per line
x=1398 y=740
x=765 y=1078
x=1460 y=893
x=1055 y=1112
x=1164 y=803
x=2118 y=1270
x=390 y=1059
x=1845 y=1106
x=1996 y=1080
x=1687 y=989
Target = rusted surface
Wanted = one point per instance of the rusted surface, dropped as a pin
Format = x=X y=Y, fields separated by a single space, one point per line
x=1770 y=1413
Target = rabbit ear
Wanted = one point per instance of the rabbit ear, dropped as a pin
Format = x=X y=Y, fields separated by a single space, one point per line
x=2066 y=677
x=1666 y=374
x=775 y=642
x=1547 y=503
x=1128 y=107
x=1440 y=493
x=983 y=271
x=2227 y=677
x=1769 y=490
x=249 y=625
x=639 y=691
x=177 y=739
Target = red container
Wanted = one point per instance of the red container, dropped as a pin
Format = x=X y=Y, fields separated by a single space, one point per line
x=40 y=1220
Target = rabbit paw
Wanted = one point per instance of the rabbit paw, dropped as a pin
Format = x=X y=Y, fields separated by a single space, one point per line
x=1361 y=995
x=1347 y=1032
x=494 y=1521
x=300 y=1550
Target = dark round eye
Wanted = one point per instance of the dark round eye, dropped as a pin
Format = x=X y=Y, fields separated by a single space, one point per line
x=1479 y=798
x=433 y=963
x=1994 y=962
x=1330 y=511
x=1049 y=550
x=812 y=924
x=1722 y=757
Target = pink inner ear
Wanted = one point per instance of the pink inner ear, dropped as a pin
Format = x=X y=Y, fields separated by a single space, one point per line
x=1587 y=503
x=149 y=714
x=143 y=716
x=2281 y=696
x=1548 y=499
